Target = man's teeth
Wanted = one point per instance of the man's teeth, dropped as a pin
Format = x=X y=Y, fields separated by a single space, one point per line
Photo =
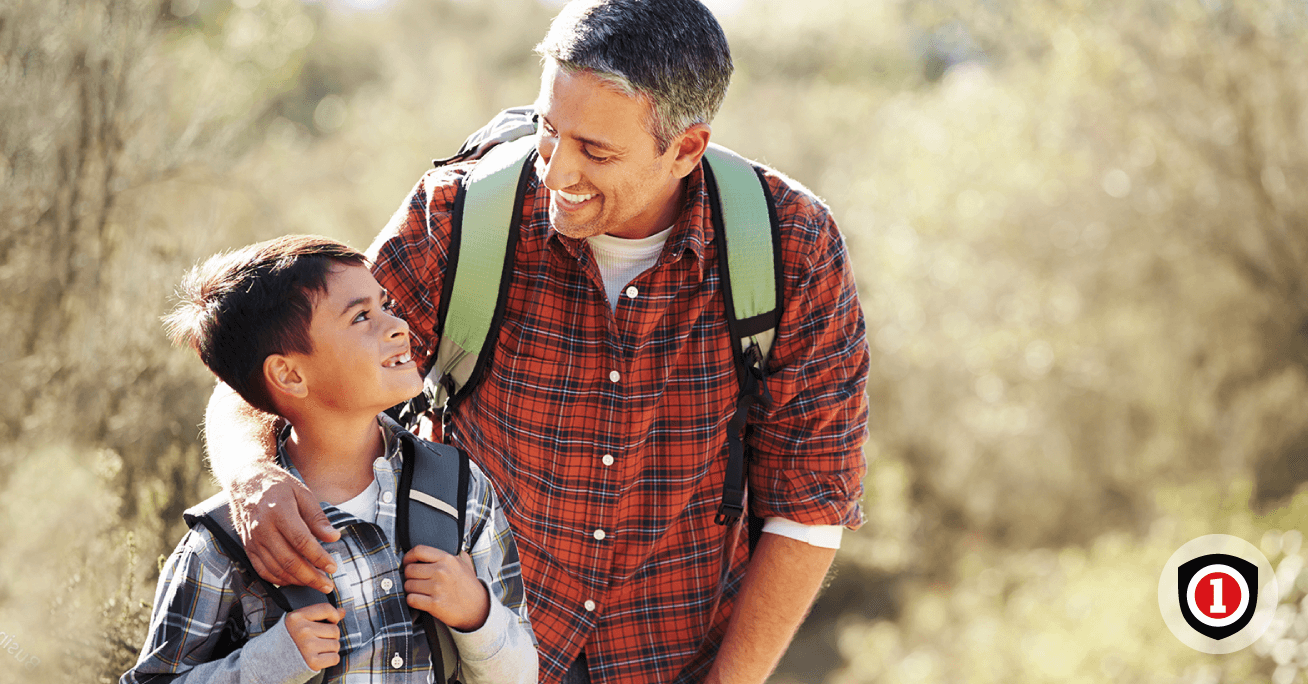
x=400 y=360
x=575 y=199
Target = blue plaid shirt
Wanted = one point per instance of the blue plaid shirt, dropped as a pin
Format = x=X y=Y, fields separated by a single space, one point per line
x=201 y=591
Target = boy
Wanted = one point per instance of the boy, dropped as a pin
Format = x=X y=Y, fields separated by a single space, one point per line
x=299 y=328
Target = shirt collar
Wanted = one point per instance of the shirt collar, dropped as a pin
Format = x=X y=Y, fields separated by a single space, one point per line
x=385 y=469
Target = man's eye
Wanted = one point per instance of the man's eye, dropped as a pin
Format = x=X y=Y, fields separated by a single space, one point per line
x=593 y=157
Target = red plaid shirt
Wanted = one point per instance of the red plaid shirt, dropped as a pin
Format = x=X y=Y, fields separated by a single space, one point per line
x=605 y=433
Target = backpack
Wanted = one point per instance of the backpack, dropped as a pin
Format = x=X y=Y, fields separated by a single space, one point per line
x=431 y=509
x=486 y=215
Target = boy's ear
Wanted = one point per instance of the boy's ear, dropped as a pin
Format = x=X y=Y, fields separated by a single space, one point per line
x=284 y=377
x=688 y=148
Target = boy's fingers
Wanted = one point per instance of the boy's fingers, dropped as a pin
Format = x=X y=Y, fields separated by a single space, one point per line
x=424 y=554
x=321 y=612
x=465 y=559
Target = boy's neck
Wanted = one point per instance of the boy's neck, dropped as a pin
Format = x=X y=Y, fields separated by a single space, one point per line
x=334 y=454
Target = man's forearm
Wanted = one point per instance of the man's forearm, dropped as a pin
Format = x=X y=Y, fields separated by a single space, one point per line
x=237 y=436
x=784 y=576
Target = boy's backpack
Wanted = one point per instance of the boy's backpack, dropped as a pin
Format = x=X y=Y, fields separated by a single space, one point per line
x=432 y=495
x=487 y=211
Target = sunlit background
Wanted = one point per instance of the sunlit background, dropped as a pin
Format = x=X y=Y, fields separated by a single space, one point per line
x=1080 y=231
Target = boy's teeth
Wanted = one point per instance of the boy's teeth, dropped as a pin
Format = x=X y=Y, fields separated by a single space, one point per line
x=401 y=360
x=575 y=199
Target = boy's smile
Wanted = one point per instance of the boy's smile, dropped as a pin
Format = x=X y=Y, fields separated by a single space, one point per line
x=361 y=359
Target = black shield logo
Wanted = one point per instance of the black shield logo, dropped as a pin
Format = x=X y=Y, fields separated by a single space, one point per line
x=1236 y=617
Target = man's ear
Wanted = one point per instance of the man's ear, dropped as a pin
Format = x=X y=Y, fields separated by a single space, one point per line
x=688 y=148
x=284 y=378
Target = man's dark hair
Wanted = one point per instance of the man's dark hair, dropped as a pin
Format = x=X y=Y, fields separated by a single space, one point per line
x=672 y=52
x=240 y=307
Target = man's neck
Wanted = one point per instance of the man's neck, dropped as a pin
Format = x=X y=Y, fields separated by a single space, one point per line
x=334 y=454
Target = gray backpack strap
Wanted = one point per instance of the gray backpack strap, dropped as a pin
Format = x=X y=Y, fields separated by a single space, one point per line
x=431 y=510
x=747 y=238
x=215 y=515
x=486 y=216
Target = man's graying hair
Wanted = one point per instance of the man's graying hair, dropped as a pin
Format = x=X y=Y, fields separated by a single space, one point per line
x=672 y=52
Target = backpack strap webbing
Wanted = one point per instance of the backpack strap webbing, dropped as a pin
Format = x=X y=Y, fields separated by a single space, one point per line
x=431 y=510
x=215 y=515
x=486 y=217
x=750 y=262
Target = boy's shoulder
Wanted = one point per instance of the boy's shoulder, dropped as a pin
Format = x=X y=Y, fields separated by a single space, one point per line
x=200 y=549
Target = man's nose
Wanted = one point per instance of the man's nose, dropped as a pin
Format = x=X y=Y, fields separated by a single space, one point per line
x=556 y=167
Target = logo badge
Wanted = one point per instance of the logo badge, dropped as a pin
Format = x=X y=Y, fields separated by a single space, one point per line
x=1218 y=593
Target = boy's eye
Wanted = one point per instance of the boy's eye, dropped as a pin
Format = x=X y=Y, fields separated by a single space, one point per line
x=389 y=306
x=361 y=316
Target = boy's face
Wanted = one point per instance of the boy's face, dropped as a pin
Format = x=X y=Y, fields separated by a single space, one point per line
x=361 y=359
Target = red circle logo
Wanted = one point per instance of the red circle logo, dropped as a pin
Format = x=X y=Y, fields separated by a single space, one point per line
x=1217 y=595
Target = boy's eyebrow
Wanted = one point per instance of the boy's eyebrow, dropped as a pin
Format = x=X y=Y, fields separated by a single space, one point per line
x=366 y=299
x=355 y=302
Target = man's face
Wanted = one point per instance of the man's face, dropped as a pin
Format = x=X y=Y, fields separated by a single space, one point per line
x=361 y=359
x=601 y=165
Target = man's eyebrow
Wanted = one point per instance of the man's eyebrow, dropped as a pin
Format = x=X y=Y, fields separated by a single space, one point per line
x=588 y=141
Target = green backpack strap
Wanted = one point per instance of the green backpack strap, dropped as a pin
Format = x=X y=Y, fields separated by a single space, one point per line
x=486 y=216
x=747 y=237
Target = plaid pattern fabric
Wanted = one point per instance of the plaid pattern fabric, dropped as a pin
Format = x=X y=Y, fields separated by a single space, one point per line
x=380 y=641
x=604 y=432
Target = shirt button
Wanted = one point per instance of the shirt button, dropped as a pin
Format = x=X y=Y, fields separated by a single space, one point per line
x=589 y=604
x=632 y=292
x=386 y=584
x=397 y=662
x=387 y=497
x=599 y=535
x=615 y=376
x=607 y=460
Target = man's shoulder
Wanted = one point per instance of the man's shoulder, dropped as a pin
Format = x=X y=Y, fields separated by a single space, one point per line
x=805 y=223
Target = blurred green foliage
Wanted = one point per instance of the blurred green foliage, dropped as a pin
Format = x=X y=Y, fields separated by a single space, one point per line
x=1079 y=230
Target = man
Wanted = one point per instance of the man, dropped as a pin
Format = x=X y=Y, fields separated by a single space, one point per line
x=602 y=417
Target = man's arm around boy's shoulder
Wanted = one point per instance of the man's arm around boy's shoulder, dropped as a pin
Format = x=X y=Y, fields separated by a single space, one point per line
x=501 y=649
x=197 y=594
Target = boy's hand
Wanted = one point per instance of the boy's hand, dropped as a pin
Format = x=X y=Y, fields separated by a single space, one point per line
x=270 y=509
x=314 y=631
x=447 y=587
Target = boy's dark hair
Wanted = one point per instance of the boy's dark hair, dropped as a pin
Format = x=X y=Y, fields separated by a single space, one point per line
x=240 y=307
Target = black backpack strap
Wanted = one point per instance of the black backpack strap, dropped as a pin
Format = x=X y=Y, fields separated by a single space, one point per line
x=214 y=514
x=752 y=303
x=510 y=124
x=431 y=510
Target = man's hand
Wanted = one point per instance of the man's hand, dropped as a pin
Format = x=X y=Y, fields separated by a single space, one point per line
x=278 y=519
x=315 y=633
x=447 y=587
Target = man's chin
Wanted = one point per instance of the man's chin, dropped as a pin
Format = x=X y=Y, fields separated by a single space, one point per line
x=572 y=229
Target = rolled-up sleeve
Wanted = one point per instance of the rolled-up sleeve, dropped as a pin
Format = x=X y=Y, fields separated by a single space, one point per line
x=807 y=444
